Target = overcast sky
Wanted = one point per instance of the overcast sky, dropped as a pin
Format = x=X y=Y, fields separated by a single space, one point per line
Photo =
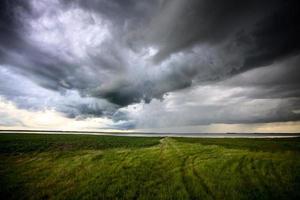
x=151 y=65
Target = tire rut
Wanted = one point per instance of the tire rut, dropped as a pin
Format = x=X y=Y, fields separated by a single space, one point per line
x=162 y=147
x=201 y=180
x=184 y=178
x=188 y=163
x=182 y=167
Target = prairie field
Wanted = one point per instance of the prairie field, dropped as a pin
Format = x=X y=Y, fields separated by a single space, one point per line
x=53 y=166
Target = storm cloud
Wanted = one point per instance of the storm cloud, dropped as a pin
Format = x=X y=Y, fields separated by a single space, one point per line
x=148 y=64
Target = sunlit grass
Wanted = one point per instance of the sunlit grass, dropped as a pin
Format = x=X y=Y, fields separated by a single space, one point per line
x=102 y=167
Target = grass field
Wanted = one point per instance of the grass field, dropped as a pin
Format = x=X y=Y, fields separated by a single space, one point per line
x=36 y=166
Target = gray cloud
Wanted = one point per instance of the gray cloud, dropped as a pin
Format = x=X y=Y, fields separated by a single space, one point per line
x=99 y=57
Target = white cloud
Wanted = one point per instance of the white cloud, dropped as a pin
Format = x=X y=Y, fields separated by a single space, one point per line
x=70 y=32
x=208 y=104
x=274 y=127
x=48 y=119
x=70 y=61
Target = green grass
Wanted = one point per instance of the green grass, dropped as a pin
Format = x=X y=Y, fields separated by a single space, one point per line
x=106 y=167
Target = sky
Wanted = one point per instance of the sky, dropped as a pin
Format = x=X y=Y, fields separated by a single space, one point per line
x=150 y=65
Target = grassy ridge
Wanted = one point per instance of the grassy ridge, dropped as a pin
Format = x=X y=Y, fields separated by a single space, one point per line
x=257 y=144
x=105 y=167
x=24 y=143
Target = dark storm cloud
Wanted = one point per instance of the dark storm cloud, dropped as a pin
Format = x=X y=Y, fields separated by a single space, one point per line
x=116 y=10
x=26 y=94
x=258 y=32
x=280 y=80
x=21 y=54
x=10 y=36
x=276 y=36
x=122 y=52
x=53 y=71
x=182 y=24
x=271 y=25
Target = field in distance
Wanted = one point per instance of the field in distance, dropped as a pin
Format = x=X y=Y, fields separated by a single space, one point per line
x=44 y=166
